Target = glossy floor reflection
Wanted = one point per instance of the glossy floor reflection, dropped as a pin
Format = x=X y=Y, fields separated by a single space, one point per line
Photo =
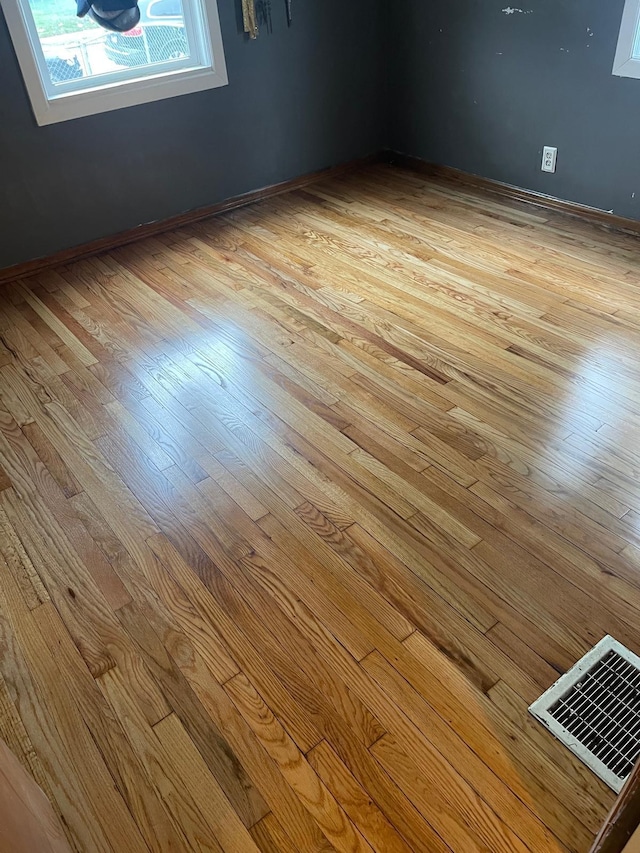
x=302 y=506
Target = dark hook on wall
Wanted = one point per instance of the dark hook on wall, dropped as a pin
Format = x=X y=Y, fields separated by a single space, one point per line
x=263 y=9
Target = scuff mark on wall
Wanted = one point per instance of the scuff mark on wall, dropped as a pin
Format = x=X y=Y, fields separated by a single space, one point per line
x=511 y=11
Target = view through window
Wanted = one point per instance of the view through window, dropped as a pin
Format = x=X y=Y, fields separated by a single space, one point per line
x=75 y=48
x=72 y=67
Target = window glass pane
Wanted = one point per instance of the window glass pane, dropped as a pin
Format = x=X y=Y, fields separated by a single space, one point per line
x=78 y=48
x=636 y=44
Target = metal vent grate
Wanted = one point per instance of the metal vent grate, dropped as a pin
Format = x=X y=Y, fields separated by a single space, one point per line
x=594 y=709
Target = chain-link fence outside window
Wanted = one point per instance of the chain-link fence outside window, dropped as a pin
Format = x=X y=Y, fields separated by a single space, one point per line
x=78 y=48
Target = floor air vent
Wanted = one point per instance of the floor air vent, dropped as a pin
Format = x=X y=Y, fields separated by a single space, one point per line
x=594 y=709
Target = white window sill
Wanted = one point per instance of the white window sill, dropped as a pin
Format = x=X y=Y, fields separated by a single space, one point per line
x=118 y=95
x=109 y=87
x=630 y=68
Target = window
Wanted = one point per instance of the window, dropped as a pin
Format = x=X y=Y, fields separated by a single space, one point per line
x=72 y=67
x=627 y=61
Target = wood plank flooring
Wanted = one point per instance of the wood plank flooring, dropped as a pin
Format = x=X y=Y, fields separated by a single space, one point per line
x=302 y=506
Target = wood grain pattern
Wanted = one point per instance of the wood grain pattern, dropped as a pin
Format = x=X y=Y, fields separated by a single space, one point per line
x=310 y=790
x=87 y=250
x=582 y=212
x=301 y=507
x=28 y=820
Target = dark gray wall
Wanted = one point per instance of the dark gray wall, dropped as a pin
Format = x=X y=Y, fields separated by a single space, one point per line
x=299 y=99
x=483 y=91
x=467 y=85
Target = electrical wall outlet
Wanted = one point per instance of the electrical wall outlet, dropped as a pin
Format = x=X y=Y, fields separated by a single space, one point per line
x=549 y=158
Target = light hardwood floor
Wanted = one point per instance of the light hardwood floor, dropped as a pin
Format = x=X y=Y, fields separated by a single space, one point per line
x=302 y=506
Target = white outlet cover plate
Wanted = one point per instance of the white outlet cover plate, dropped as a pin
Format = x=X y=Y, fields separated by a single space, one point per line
x=549 y=158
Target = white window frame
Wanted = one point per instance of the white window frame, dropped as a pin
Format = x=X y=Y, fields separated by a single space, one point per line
x=126 y=88
x=625 y=65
